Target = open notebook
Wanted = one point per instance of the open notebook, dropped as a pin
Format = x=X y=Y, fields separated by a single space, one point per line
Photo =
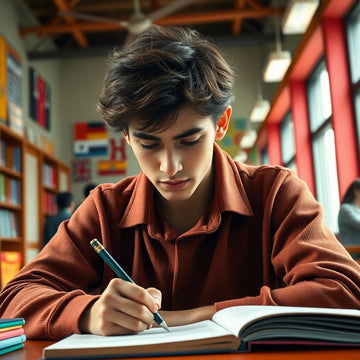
x=232 y=329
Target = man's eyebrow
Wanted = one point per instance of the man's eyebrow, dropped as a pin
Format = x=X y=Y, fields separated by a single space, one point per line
x=145 y=136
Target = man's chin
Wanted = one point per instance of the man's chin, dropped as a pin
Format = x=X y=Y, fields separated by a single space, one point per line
x=174 y=195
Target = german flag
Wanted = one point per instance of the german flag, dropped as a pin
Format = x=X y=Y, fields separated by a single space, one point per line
x=91 y=139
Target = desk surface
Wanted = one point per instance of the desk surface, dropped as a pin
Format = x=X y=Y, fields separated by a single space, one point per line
x=33 y=351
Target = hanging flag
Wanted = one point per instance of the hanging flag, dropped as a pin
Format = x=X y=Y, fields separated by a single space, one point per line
x=90 y=139
x=81 y=169
x=111 y=167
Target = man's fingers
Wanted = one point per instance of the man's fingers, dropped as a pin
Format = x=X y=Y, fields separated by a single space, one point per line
x=118 y=315
x=156 y=295
x=112 y=300
x=151 y=299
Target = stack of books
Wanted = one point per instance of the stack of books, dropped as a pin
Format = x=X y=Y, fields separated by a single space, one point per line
x=12 y=335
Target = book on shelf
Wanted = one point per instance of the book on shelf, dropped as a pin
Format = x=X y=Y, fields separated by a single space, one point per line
x=10 y=190
x=11 y=156
x=9 y=226
x=2 y=152
x=234 y=329
x=12 y=335
x=15 y=158
x=50 y=204
x=49 y=175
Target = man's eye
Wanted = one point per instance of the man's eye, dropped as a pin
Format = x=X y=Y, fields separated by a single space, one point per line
x=149 y=146
x=190 y=142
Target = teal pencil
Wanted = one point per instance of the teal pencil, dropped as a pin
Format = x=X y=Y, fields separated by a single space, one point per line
x=119 y=271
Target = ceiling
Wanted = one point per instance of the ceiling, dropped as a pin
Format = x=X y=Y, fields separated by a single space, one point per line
x=231 y=20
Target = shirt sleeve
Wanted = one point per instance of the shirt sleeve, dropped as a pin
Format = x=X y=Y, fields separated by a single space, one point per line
x=53 y=290
x=312 y=266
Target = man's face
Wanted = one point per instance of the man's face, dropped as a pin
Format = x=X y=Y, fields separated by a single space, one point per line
x=177 y=160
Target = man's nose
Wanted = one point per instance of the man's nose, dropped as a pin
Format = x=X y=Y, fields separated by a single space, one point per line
x=170 y=162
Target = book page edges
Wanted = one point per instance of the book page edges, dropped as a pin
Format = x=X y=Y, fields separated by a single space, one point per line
x=236 y=318
x=226 y=343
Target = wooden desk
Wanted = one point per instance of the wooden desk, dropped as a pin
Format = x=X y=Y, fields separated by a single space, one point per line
x=33 y=351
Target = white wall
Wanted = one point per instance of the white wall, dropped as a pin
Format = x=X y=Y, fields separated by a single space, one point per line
x=80 y=85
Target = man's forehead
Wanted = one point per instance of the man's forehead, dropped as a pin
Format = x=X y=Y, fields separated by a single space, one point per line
x=186 y=119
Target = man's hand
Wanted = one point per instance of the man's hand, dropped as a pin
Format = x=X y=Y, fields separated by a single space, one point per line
x=123 y=308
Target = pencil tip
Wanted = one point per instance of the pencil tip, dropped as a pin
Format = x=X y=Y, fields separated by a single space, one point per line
x=164 y=326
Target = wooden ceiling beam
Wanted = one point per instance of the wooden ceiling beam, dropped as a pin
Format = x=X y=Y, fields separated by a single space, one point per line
x=237 y=23
x=254 y=4
x=122 y=6
x=128 y=6
x=78 y=35
x=180 y=19
x=154 y=5
x=221 y=15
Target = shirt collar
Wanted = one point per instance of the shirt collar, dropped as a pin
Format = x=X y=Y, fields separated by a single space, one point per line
x=229 y=187
x=230 y=193
x=141 y=201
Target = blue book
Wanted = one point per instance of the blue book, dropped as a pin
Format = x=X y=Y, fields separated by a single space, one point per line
x=11 y=348
x=4 y=323
x=12 y=341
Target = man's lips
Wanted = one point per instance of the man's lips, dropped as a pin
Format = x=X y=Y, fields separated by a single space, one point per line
x=174 y=184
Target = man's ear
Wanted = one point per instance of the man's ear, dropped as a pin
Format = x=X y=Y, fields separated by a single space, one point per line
x=223 y=123
x=127 y=137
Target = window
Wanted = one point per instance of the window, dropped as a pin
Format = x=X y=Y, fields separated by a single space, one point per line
x=287 y=141
x=264 y=155
x=353 y=38
x=323 y=144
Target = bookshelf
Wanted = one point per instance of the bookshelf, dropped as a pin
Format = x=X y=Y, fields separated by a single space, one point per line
x=29 y=181
x=11 y=197
x=45 y=177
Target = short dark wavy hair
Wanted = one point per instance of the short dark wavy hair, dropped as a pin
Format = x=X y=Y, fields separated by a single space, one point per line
x=64 y=200
x=349 y=196
x=163 y=70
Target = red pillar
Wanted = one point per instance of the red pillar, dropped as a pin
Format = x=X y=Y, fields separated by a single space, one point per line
x=343 y=119
x=299 y=113
x=274 y=143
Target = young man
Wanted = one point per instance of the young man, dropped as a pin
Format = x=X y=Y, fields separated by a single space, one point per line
x=65 y=206
x=195 y=230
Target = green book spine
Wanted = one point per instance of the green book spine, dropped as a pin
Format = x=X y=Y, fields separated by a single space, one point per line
x=11 y=322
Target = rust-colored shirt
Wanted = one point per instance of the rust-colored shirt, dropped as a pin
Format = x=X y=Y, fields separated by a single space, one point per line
x=261 y=241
